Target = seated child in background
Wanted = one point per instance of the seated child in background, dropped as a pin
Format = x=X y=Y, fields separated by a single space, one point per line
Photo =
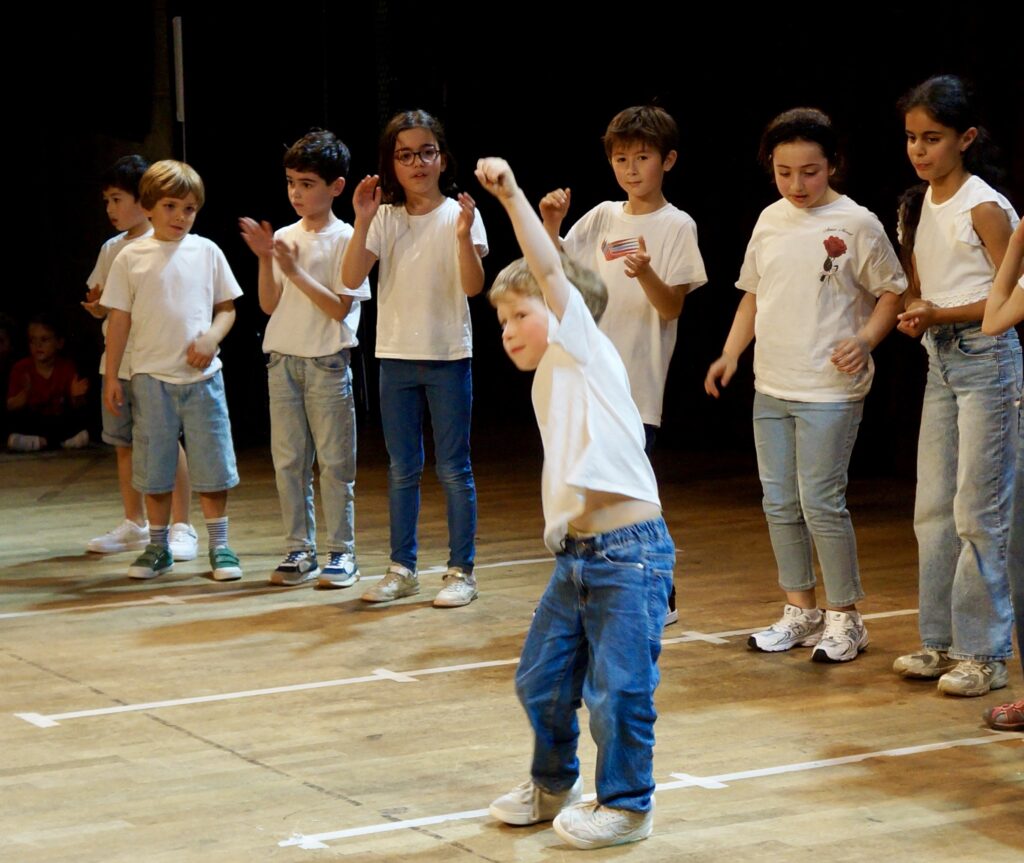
x=597 y=630
x=312 y=327
x=45 y=395
x=174 y=294
x=120 y=188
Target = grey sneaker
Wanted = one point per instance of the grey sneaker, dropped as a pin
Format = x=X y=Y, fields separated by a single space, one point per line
x=590 y=825
x=530 y=804
x=926 y=664
x=459 y=589
x=154 y=561
x=972 y=677
x=298 y=567
x=341 y=571
x=398 y=582
x=797 y=626
x=842 y=639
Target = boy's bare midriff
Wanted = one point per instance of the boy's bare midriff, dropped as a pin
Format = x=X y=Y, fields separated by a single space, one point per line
x=605 y=511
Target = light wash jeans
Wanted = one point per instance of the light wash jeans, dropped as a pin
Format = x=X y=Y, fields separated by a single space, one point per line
x=803 y=453
x=407 y=387
x=312 y=415
x=965 y=467
x=597 y=634
x=1016 y=563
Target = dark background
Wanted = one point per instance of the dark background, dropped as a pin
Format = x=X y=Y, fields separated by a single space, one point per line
x=538 y=89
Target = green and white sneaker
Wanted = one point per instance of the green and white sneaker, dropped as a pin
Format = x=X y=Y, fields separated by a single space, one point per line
x=154 y=561
x=225 y=565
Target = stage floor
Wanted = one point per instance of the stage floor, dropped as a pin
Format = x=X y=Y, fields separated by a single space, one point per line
x=185 y=720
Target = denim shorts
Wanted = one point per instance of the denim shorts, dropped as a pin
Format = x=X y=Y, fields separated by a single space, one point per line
x=117 y=430
x=162 y=412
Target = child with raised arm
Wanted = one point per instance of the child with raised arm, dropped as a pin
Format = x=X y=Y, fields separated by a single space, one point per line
x=174 y=294
x=429 y=246
x=312 y=328
x=645 y=251
x=597 y=630
x=120 y=187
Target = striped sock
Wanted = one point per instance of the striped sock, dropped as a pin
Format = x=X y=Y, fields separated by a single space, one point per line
x=217 y=530
x=158 y=535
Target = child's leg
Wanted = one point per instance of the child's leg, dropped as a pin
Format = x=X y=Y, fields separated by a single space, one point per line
x=825 y=434
x=332 y=420
x=291 y=446
x=627 y=579
x=181 y=497
x=131 y=498
x=158 y=507
x=549 y=679
x=401 y=411
x=775 y=441
x=450 y=397
x=117 y=431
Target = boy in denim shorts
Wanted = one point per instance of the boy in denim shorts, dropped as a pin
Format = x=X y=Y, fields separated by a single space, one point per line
x=173 y=293
x=597 y=630
x=312 y=328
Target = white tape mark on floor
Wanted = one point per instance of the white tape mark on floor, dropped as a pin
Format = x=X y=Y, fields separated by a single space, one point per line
x=190 y=597
x=684 y=780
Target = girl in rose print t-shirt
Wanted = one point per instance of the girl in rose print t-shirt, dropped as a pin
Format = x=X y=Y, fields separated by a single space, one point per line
x=821 y=287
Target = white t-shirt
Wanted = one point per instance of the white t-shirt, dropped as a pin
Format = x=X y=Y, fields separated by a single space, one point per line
x=645 y=340
x=817 y=274
x=108 y=252
x=592 y=432
x=952 y=264
x=298 y=327
x=422 y=311
x=170 y=288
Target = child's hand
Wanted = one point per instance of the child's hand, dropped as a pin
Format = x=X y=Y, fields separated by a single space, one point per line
x=91 y=303
x=920 y=315
x=366 y=197
x=496 y=177
x=850 y=356
x=113 y=394
x=287 y=257
x=467 y=209
x=721 y=369
x=258 y=237
x=79 y=387
x=639 y=262
x=554 y=206
x=202 y=351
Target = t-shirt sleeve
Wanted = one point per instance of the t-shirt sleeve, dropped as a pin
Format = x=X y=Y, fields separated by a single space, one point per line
x=478 y=233
x=577 y=332
x=225 y=286
x=99 y=273
x=336 y=284
x=881 y=271
x=750 y=276
x=117 y=292
x=375 y=236
x=684 y=264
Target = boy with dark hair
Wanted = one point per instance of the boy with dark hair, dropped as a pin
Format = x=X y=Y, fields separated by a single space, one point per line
x=174 y=294
x=120 y=187
x=597 y=630
x=312 y=329
x=645 y=250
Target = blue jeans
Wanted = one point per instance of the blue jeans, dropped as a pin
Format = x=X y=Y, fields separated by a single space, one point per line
x=1016 y=562
x=803 y=453
x=446 y=387
x=312 y=414
x=965 y=467
x=597 y=634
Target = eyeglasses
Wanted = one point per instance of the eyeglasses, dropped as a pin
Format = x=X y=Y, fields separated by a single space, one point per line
x=427 y=155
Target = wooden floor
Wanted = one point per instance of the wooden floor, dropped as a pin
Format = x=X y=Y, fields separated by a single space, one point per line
x=185 y=720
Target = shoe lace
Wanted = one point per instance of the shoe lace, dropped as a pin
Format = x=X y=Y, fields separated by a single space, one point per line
x=295 y=556
x=339 y=560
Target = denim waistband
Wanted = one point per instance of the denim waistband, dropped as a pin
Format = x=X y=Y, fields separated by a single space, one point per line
x=581 y=546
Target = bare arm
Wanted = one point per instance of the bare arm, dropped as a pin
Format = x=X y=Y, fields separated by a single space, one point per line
x=119 y=325
x=358 y=260
x=741 y=334
x=553 y=208
x=1005 y=305
x=666 y=299
x=851 y=355
x=333 y=305
x=471 y=268
x=259 y=237
x=542 y=257
x=202 y=351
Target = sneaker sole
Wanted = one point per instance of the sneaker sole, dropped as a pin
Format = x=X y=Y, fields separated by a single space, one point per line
x=283 y=580
x=454 y=603
x=325 y=582
x=182 y=556
x=132 y=546
x=588 y=845
x=973 y=693
x=820 y=655
x=368 y=597
x=671 y=617
x=782 y=648
x=142 y=573
x=232 y=574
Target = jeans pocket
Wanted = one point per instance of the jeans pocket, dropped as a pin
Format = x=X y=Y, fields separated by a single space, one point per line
x=333 y=362
x=273 y=359
x=975 y=343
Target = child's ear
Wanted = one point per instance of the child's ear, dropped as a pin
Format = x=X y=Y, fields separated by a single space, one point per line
x=670 y=159
x=337 y=186
x=967 y=138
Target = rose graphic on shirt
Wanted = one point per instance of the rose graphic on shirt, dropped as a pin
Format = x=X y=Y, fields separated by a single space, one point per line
x=835 y=247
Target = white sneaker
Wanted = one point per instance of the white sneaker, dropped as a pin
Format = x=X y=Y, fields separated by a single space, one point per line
x=926 y=664
x=459 y=589
x=672 y=615
x=298 y=567
x=797 y=626
x=398 y=582
x=530 y=804
x=842 y=639
x=24 y=442
x=972 y=677
x=127 y=536
x=183 y=542
x=341 y=571
x=77 y=441
x=590 y=825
